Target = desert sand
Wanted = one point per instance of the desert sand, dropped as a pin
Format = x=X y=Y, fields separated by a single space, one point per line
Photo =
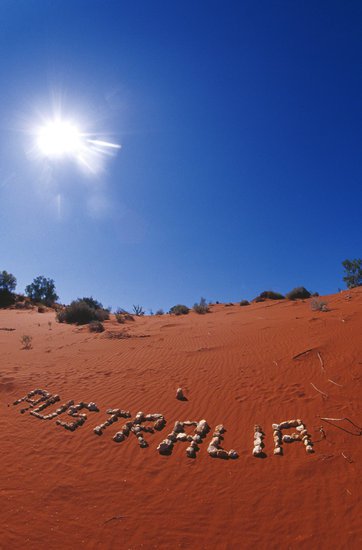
x=237 y=367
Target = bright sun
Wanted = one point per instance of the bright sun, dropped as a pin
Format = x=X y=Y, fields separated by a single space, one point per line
x=59 y=138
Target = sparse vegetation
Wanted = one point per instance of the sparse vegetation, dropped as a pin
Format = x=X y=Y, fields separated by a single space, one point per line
x=318 y=305
x=81 y=313
x=353 y=272
x=179 y=309
x=138 y=310
x=26 y=341
x=201 y=307
x=244 y=303
x=122 y=316
x=42 y=290
x=41 y=309
x=298 y=293
x=159 y=312
x=96 y=326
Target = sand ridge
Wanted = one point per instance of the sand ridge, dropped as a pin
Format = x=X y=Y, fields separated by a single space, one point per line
x=238 y=367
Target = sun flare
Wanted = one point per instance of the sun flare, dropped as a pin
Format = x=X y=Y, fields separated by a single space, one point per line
x=59 y=138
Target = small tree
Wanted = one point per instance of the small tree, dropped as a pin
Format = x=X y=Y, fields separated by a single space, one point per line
x=42 y=290
x=7 y=281
x=7 y=287
x=353 y=270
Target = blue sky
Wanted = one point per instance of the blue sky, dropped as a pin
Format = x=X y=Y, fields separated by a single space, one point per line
x=240 y=167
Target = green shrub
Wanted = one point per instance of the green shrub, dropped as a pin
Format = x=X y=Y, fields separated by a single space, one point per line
x=298 y=293
x=259 y=299
x=244 y=303
x=179 y=309
x=95 y=326
x=80 y=313
x=201 y=307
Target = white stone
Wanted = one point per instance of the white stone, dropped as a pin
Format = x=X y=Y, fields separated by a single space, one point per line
x=257 y=450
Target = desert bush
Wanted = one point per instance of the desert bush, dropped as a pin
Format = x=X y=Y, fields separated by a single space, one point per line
x=160 y=312
x=102 y=314
x=271 y=295
x=41 y=309
x=138 y=310
x=318 y=305
x=91 y=302
x=353 y=272
x=244 y=303
x=42 y=290
x=26 y=341
x=80 y=313
x=259 y=299
x=229 y=304
x=95 y=326
x=179 y=309
x=298 y=293
x=201 y=307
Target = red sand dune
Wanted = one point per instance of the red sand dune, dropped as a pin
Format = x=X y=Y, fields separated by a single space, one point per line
x=76 y=489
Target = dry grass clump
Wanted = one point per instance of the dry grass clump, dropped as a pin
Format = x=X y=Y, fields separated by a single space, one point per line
x=26 y=341
x=122 y=316
x=319 y=305
x=244 y=303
